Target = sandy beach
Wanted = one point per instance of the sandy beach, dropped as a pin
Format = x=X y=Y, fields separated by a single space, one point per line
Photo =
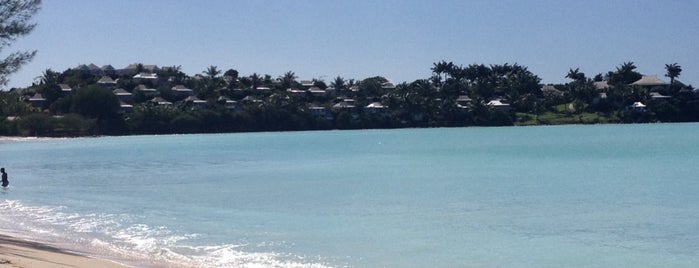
x=25 y=254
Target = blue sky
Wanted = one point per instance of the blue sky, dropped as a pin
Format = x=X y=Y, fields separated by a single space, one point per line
x=357 y=39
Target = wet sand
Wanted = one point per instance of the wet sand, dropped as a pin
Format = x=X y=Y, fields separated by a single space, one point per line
x=26 y=254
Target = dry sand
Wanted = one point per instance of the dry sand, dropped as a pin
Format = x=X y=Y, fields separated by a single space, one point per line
x=25 y=254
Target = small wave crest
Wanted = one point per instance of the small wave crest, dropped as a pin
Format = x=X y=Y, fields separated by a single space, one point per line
x=122 y=238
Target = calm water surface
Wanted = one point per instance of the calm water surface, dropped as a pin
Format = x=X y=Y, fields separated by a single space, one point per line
x=565 y=196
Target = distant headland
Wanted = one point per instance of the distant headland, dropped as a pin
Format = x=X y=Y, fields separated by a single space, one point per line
x=146 y=99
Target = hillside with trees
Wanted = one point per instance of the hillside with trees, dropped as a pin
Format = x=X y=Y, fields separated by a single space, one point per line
x=147 y=99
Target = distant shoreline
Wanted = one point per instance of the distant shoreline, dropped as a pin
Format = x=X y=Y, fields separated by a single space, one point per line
x=39 y=138
x=29 y=138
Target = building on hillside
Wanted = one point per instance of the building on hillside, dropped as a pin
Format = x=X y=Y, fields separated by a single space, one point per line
x=122 y=94
x=65 y=88
x=306 y=84
x=295 y=92
x=463 y=102
x=601 y=86
x=148 y=92
x=160 y=101
x=146 y=77
x=387 y=87
x=263 y=89
x=228 y=103
x=638 y=106
x=499 y=105
x=375 y=108
x=109 y=70
x=181 y=90
x=655 y=96
x=344 y=104
x=551 y=92
x=37 y=100
x=650 y=81
x=196 y=103
x=125 y=107
x=317 y=92
x=320 y=112
x=107 y=82
x=88 y=69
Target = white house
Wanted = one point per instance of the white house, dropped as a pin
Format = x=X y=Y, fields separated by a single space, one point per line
x=497 y=104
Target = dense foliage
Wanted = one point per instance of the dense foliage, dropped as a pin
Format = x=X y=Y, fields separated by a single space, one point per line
x=14 y=23
x=223 y=101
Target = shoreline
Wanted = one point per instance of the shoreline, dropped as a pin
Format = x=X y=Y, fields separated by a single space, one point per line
x=20 y=253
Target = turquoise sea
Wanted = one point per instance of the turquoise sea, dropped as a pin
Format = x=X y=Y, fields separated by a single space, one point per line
x=563 y=196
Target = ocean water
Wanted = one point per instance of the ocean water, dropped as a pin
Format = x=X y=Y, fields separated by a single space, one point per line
x=563 y=196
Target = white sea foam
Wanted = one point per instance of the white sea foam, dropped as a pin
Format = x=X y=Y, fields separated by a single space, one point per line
x=106 y=235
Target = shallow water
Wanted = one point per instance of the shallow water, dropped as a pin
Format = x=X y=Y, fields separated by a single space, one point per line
x=565 y=196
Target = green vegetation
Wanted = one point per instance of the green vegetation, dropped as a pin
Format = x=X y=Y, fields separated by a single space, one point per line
x=145 y=99
x=14 y=23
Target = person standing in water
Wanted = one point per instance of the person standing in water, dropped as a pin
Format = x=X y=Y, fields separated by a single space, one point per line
x=5 y=182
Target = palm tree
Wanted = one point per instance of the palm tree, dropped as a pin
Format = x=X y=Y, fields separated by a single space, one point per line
x=444 y=68
x=255 y=80
x=212 y=71
x=625 y=74
x=288 y=79
x=338 y=82
x=49 y=77
x=575 y=75
x=673 y=71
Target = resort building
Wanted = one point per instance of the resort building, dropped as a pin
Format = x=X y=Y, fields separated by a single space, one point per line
x=650 y=81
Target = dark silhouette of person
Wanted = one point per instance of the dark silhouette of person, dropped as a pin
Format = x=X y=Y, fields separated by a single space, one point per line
x=5 y=182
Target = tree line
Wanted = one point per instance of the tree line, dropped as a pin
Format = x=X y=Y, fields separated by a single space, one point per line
x=453 y=96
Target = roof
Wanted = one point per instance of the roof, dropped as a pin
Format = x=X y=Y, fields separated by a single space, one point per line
x=497 y=103
x=463 y=98
x=160 y=101
x=145 y=76
x=317 y=108
x=145 y=88
x=316 y=90
x=656 y=95
x=376 y=105
x=295 y=91
x=65 y=87
x=106 y=80
x=181 y=88
x=150 y=67
x=226 y=99
x=125 y=105
x=599 y=85
x=37 y=97
x=344 y=104
x=388 y=85
x=638 y=104
x=650 y=80
x=194 y=99
x=121 y=92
